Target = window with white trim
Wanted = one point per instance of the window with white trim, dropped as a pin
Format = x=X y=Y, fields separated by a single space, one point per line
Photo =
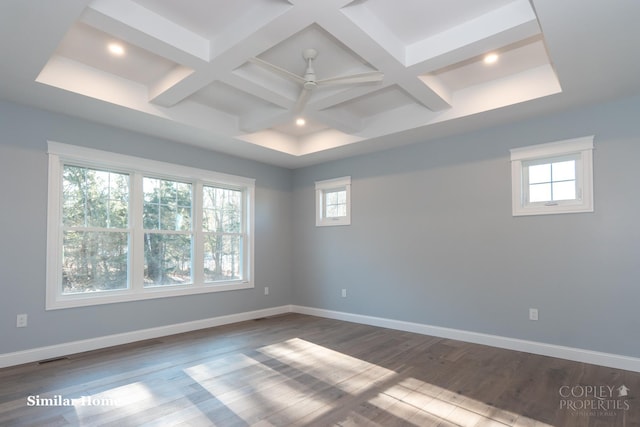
x=333 y=202
x=123 y=228
x=553 y=178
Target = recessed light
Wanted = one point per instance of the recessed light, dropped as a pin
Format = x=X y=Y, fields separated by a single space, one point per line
x=116 y=49
x=301 y=122
x=491 y=58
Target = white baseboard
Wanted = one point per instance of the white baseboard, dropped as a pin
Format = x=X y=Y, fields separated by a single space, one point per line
x=50 y=352
x=569 y=353
x=562 y=352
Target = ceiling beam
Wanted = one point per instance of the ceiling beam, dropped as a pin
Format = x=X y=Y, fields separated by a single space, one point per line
x=144 y=28
x=263 y=92
x=348 y=94
x=514 y=21
x=230 y=51
x=343 y=28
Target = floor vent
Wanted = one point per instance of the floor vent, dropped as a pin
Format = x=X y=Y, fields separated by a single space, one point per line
x=55 y=359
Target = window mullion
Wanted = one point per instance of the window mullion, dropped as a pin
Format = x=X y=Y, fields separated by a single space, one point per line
x=84 y=197
x=580 y=181
x=136 y=256
x=247 y=229
x=197 y=260
x=551 y=181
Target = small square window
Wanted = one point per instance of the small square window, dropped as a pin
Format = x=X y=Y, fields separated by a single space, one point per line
x=553 y=178
x=550 y=180
x=333 y=202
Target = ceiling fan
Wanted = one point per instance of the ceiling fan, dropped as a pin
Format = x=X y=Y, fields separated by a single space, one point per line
x=309 y=82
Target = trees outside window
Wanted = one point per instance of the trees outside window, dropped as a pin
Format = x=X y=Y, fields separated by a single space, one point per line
x=167 y=232
x=223 y=236
x=95 y=230
x=124 y=228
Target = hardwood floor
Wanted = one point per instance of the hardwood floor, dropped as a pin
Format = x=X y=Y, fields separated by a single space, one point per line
x=297 y=370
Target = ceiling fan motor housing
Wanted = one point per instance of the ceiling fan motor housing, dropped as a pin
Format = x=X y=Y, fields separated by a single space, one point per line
x=309 y=54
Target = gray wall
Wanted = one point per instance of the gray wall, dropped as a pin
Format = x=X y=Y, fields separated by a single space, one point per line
x=23 y=172
x=432 y=239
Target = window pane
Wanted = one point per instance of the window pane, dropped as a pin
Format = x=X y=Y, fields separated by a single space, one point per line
x=539 y=193
x=222 y=257
x=151 y=189
x=222 y=210
x=332 y=211
x=335 y=203
x=564 y=171
x=564 y=190
x=540 y=173
x=94 y=261
x=167 y=259
x=331 y=197
x=94 y=198
x=167 y=205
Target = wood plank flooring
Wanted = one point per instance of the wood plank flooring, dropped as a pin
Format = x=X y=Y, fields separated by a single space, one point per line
x=297 y=370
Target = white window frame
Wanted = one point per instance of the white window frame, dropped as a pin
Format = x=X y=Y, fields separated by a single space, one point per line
x=62 y=154
x=581 y=149
x=328 y=186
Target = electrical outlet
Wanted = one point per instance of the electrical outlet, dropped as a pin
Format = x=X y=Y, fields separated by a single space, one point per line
x=344 y=293
x=21 y=321
x=533 y=314
x=266 y=290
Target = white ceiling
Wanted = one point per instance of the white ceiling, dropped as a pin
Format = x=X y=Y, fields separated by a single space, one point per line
x=186 y=72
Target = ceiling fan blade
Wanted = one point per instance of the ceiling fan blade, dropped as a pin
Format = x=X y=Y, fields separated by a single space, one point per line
x=370 y=77
x=277 y=70
x=303 y=98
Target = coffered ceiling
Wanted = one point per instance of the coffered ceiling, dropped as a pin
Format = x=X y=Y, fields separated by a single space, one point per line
x=218 y=73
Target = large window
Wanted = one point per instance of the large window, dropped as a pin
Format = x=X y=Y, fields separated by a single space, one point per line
x=553 y=178
x=122 y=228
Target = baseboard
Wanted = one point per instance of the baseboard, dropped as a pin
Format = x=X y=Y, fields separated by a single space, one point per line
x=562 y=352
x=43 y=353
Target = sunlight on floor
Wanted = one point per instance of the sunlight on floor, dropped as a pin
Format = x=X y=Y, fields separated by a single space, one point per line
x=250 y=388
x=421 y=403
x=347 y=373
x=296 y=382
x=99 y=406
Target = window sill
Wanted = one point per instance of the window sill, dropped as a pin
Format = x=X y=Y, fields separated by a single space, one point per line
x=550 y=210
x=111 y=297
